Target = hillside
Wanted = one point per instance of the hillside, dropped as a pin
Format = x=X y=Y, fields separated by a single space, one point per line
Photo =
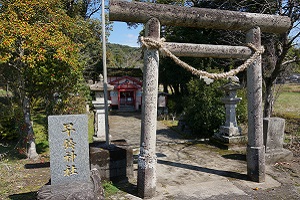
x=121 y=56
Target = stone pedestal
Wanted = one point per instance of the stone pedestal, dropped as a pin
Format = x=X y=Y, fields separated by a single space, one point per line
x=99 y=123
x=230 y=142
x=114 y=163
x=273 y=140
x=90 y=190
x=229 y=135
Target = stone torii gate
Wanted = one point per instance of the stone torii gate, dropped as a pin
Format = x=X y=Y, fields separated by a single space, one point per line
x=155 y=14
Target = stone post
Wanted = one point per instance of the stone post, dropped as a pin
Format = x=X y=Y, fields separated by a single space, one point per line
x=147 y=159
x=255 y=148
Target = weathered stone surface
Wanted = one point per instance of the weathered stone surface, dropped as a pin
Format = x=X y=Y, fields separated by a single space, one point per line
x=114 y=163
x=76 y=190
x=208 y=50
x=256 y=163
x=255 y=149
x=235 y=143
x=196 y=17
x=68 y=141
x=273 y=140
x=147 y=158
x=273 y=133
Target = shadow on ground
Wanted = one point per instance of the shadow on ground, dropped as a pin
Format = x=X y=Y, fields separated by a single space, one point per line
x=23 y=196
x=235 y=156
x=228 y=174
x=37 y=165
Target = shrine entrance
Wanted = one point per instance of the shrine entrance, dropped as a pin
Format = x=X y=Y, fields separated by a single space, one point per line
x=127 y=99
x=155 y=15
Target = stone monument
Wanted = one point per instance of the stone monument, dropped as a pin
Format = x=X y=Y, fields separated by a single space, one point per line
x=68 y=141
x=71 y=177
x=273 y=140
x=99 y=108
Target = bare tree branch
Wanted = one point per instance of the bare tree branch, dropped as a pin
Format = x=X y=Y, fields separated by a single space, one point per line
x=295 y=59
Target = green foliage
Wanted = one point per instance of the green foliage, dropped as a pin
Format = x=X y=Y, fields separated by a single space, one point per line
x=241 y=108
x=43 y=51
x=10 y=121
x=174 y=104
x=71 y=103
x=109 y=188
x=121 y=56
x=204 y=112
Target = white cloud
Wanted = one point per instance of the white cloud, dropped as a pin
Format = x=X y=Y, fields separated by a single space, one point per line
x=131 y=36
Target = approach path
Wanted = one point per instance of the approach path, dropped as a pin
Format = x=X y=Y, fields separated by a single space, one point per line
x=189 y=171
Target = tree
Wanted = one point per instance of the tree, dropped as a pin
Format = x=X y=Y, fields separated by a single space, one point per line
x=83 y=8
x=39 y=52
x=204 y=111
x=277 y=57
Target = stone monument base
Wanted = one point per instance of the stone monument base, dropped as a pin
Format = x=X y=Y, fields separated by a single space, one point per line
x=115 y=163
x=238 y=143
x=74 y=190
x=280 y=155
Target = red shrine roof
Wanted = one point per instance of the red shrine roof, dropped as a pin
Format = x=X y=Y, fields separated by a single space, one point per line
x=127 y=82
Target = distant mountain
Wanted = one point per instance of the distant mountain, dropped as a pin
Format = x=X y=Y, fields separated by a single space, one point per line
x=122 y=56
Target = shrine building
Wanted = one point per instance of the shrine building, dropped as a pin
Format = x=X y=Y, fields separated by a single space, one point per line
x=127 y=92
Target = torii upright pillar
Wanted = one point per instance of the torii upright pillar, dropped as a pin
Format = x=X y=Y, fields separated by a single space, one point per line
x=147 y=159
x=255 y=148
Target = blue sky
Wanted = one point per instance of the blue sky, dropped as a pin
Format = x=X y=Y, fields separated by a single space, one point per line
x=121 y=34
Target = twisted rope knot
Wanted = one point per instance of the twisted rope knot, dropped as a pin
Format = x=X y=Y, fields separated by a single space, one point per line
x=151 y=43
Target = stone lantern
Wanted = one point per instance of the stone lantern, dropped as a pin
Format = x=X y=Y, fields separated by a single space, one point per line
x=230 y=100
x=99 y=108
x=230 y=134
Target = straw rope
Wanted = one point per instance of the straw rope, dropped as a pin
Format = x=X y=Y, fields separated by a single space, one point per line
x=150 y=43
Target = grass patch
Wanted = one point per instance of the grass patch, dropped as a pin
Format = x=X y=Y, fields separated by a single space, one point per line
x=109 y=188
x=170 y=123
x=17 y=182
x=292 y=87
x=40 y=133
x=287 y=105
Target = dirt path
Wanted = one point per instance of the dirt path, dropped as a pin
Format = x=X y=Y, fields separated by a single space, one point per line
x=200 y=171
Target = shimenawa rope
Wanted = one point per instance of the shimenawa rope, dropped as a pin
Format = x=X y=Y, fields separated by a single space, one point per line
x=150 y=43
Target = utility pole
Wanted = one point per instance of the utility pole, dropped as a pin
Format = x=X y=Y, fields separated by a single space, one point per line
x=107 y=140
